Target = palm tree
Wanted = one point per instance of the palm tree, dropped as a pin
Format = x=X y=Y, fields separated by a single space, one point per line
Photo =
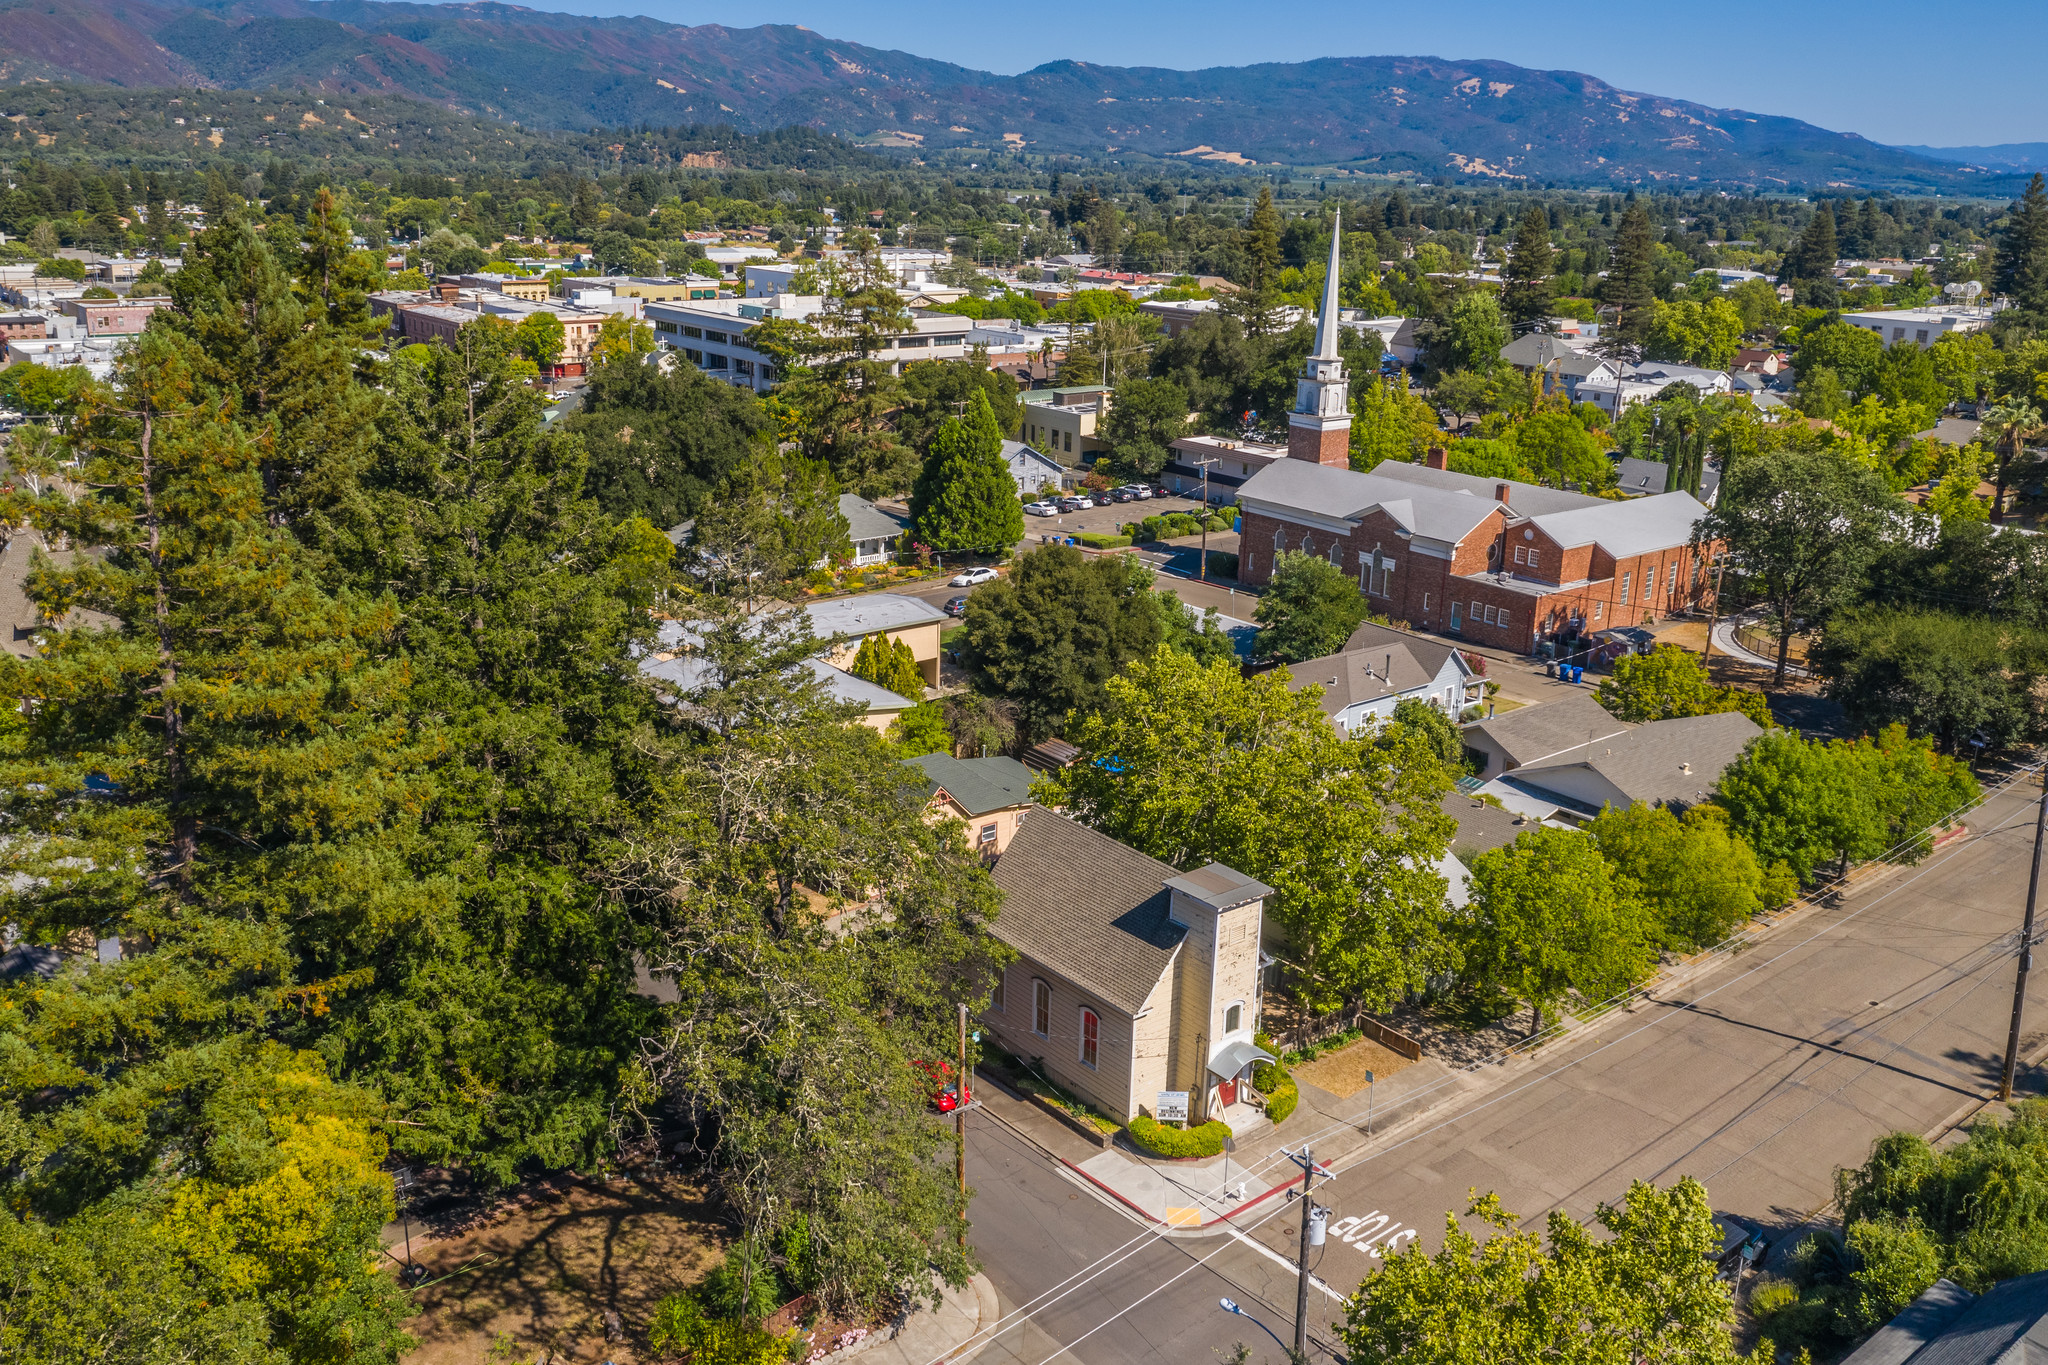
x=2013 y=422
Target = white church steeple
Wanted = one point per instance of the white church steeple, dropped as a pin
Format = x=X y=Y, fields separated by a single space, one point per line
x=1319 y=428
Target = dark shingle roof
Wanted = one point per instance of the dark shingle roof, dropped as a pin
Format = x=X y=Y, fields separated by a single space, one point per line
x=1088 y=907
x=2006 y=1325
x=980 y=785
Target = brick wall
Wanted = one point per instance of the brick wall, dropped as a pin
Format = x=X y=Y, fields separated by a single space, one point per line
x=1423 y=586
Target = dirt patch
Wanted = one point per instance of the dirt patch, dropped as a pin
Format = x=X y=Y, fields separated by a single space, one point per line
x=1342 y=1073
x=1687 y=635
x=549 y=1264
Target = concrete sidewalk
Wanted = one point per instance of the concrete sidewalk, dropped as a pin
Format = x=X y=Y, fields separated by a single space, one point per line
x=953 y=1332
x=1194 y=1198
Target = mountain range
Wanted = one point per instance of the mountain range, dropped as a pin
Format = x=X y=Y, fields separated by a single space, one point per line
x=1422 y=115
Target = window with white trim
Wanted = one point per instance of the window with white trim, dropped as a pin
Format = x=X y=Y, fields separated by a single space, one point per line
x=1671 y=579
x=1091 y=1036
x=1041 y=1008
x=1624 y=588
x=1233 y=1018
x=1518 y=554
x=1535 y=556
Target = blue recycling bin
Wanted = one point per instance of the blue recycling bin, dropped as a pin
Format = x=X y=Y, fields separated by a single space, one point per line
x=1578 y=673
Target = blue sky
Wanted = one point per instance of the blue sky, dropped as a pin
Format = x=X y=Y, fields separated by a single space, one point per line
x=1945 y=74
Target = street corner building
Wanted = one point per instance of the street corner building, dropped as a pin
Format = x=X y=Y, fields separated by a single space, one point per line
x=1131 y=978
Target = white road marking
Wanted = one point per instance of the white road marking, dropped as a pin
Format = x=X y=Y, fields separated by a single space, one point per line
x=1256 y=1245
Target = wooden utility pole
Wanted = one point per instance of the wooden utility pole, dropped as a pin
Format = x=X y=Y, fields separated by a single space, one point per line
x=1307 y=1162
x=960 y=1127
x=1714 y=614
x=2019 y=987
x=1202 y=572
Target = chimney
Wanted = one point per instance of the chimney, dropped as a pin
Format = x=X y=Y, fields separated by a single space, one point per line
x=1437 y=458
x=1501 y=491
x=449 y=291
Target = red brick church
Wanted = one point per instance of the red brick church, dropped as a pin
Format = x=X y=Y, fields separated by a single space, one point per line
x=1499 y=563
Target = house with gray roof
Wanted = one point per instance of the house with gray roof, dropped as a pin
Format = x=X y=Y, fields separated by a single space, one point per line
x=1564 y=365
x=1131 y=978
x=873 y=530
x=990 y=796
x=1378 y=669
x=1493 y=561
x=1538 y=734
x=1947 y=1325
x=1674 y=763
x=678 y=668
x=1034 y=470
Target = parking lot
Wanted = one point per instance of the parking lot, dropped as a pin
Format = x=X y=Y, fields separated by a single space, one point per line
x=1106 y=519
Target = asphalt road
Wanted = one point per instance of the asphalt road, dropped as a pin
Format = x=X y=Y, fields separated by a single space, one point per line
x=1761 y=1076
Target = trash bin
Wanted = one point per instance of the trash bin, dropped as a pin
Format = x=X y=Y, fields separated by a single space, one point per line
x=1578 y=673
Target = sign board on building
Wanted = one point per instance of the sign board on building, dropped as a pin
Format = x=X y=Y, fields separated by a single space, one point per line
x=1172 y=1106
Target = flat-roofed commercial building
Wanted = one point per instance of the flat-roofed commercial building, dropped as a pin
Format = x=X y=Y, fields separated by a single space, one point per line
x=711 y=334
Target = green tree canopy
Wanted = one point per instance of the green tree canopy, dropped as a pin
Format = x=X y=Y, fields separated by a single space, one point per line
x=1631 y=283
x=1699 y=879
x=799 y=1044
x=1145 y=419
x=965 y=497
x=1707 y=334
x=1645 y=1293
x=1526 y=297
x=1051 y=635
x=1388 y=423
x=661 y=443
x=1191 y=762
x=1557 y=449
x=1946 y=676
x=936 y=390
x=1308 y=610
x=1802 y=528
x=1548 y=917
x=1852 y=354
x=1669 y=683
x=2023 y=250
x=1804 y=802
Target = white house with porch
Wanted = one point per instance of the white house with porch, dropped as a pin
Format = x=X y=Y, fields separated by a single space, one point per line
x=1131 y=978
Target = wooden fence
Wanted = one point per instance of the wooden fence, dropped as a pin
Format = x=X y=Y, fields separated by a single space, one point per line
x=1330 y=1025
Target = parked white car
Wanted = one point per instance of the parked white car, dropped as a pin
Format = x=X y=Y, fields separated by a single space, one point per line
x=984 y=574
x=1041 y=509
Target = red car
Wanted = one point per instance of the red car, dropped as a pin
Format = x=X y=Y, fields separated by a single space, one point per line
x=946 y=1095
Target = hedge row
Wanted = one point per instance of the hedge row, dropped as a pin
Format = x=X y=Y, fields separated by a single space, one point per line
x=1102 y=540
x=1156 y=1138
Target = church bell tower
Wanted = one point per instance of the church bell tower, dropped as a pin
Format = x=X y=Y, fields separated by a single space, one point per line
x=1319 y=428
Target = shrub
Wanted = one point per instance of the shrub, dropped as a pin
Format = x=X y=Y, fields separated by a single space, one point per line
x=1278 y=1086
x=1222 y=565
x=1156 y=1138
x=1098 y=540
x=1772 y=1296
x=680 y=1327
